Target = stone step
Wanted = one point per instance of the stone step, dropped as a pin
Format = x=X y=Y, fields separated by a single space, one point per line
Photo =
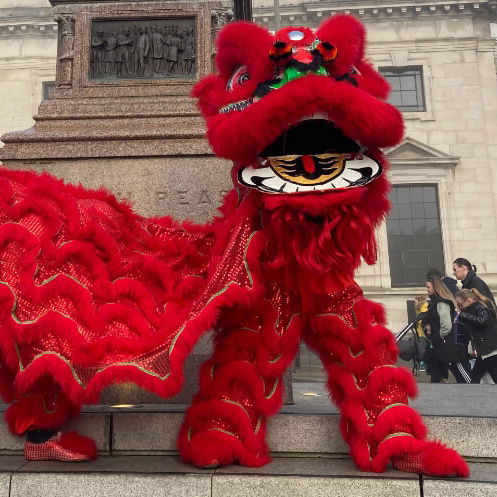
x=152 y=429
x=117 y=476
x=462 y=416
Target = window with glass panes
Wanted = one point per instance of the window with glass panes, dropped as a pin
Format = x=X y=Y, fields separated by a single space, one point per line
x=407 y=87
x=414 y=234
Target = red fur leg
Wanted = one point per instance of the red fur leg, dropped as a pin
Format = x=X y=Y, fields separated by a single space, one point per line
x=67 y=447
x=377 y=421
x=239 y=387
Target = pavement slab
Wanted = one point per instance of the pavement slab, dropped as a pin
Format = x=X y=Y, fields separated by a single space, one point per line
x=154 y=476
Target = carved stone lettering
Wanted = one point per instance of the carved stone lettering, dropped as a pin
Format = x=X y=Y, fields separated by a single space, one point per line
x=143 y=49
x=183 y=197
x=204 y=198
x=187 y=197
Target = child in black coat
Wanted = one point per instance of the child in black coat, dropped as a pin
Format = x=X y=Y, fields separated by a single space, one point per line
x=478 y=314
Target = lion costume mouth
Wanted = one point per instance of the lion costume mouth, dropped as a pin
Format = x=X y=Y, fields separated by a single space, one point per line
x=312 y=156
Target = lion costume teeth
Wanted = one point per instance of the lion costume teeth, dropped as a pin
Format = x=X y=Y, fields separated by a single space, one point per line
x=330 y=172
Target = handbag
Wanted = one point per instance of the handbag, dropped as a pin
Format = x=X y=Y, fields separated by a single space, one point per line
x=413 y=349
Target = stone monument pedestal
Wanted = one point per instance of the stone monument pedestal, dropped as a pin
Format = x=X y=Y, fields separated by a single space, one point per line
x=120 y=116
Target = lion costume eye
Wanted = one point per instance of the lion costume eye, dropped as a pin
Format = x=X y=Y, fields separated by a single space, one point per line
x=238 y=79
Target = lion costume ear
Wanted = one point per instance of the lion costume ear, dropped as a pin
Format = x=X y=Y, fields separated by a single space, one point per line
x=247 y=44
x=347 y=34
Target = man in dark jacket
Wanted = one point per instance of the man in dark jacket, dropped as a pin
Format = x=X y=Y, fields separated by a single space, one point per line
x=466 y=273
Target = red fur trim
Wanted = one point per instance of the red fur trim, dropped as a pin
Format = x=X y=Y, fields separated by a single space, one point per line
x=370 y=80
x=31 y=413
x=358 y=114
x=354 y=420
x=80 y=444
x=245 y=373
x=396 y=419
x=213 y=447
x=368 y=313
x=200 y=415
x=336 y=243
x=393 y=447
x=380 y=378
x=347 y=34
x=359 y=451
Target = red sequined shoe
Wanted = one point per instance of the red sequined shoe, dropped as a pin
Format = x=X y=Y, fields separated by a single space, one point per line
x=433 y=459
x=68 y=447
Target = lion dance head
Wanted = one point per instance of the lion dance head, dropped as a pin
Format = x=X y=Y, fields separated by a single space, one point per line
x=303 y=116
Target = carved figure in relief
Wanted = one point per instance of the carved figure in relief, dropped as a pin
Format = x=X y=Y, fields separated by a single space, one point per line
x=123 y=53
x=142 y=49
x=110 y=53
x=189 y=52
x=97 y=52
x=173 y=51
x=93 y=294
x=156 y=48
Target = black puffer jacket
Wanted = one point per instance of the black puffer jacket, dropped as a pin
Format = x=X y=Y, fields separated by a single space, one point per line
x=482 y=323
x=472 y=280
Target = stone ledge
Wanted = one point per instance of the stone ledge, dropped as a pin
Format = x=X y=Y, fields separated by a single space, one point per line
x=166 y=475
x=142 y=432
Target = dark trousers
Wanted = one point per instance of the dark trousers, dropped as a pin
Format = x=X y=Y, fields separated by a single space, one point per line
x=461 y=371
x=483 y=366
x=437 y=371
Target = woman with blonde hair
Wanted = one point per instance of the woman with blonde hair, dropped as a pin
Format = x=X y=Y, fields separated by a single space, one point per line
x=449 y=348
x=478 y=313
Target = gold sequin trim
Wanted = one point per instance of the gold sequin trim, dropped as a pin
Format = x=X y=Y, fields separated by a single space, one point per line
x=273 y=390
x=223 y=431
x=395 y=435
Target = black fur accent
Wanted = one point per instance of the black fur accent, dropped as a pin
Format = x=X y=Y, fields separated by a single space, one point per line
x=317 y=61
x=264 y=88
x=281 y=56
x=347 y=78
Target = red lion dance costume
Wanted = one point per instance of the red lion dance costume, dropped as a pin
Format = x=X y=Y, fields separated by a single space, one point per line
x=93 y=294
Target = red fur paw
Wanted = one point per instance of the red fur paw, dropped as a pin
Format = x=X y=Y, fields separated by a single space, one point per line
x=68 y=447
x=208 y=450
x=434 y=459
x=211 y=449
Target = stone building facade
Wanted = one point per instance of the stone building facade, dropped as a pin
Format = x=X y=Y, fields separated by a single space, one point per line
x=441 y=57
x=449 y=156
x=28 y=47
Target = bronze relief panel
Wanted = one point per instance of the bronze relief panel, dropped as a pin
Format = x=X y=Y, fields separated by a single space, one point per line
x=152 y=48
